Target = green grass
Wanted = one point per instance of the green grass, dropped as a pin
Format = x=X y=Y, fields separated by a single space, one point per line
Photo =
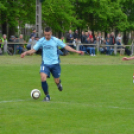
x=98 y=96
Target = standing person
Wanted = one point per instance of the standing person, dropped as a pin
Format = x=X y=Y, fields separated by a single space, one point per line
x=109 y=42
x=50 y=62
x=112 y=38
x=83 y=38
x=70 y=37
x=33 y=34
x=76 y=36
x=3 y=40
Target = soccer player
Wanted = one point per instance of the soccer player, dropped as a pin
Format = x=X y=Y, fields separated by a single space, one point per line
x=50 y=59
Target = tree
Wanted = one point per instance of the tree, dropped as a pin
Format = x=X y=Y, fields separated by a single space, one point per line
x=16 y=13
x=102 y=15
x=59 y=15
x=127 y=7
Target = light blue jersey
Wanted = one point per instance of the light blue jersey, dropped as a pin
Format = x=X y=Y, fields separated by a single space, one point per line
x=49 y=49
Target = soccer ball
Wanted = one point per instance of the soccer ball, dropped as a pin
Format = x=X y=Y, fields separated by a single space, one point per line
x=35 y=94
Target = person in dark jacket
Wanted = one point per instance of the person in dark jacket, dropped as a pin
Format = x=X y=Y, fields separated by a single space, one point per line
x=33 y=34
x=70 y=37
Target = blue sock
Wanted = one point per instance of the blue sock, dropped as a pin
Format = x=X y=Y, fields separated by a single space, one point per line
x=45 y=87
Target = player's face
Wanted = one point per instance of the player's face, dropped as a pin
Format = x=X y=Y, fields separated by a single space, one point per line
x=48 y=35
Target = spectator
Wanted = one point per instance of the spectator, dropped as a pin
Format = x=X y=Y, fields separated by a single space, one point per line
x=90 y=35
x=91 y=48
x=3 y=40
x=99 y=38
x=30 y=43
x=20 y=47
x=12 y=38
x=119 y=43
x=33 y=34
x=70 y=37
x=63 y=50
x=109 y=50
x=118 y=38
x=103 y=48
x=83 y=40
x=34 y=41
x=83 y=37
x=11 y=46
x=63 y=39
x=4 y=46
x=112 y=38
x=95 y=38
x=87 y=41
x=76 y=36
x=87 y=38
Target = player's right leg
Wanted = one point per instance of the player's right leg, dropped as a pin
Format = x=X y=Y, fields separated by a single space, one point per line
x=45 y=86
x=44 y=73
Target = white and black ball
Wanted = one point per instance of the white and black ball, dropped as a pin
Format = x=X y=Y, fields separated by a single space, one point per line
x=35 y=94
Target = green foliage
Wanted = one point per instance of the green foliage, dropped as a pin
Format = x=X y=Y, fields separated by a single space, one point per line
x=2 y=7
x=127 y=6
x=58 y=14
x=17 y=12
x=62 y=15
x=101 y=15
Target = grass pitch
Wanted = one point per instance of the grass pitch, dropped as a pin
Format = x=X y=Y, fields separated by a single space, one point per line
x=98 y=96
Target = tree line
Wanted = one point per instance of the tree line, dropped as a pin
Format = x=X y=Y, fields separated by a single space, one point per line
x=62 y=15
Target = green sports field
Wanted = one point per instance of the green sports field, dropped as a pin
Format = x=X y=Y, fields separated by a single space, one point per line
x=98 y=96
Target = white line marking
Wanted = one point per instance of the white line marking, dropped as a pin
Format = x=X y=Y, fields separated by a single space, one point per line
x=12 y=101
x=97 y=105
x=76 y=103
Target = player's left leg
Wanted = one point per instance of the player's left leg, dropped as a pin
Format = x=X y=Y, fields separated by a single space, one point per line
x=58 y=83
x=56 y=71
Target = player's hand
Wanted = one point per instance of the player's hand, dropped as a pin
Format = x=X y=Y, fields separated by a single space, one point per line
x=23 y=55
x=80 y=52
x=125 y=58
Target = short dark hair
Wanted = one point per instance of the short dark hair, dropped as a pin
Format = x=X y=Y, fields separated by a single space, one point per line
x=48 y=29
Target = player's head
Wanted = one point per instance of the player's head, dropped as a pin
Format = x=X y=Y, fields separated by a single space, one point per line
x=48 y=33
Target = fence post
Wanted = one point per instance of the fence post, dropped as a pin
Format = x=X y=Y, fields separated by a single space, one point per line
x=5 y=46
x=115 y=49
x=78 y=45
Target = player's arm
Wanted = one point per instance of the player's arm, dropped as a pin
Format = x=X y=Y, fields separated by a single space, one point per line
x=30 y=52
x=35 y=48
x=61 y=44
x=125 y=58
x=73 y=50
